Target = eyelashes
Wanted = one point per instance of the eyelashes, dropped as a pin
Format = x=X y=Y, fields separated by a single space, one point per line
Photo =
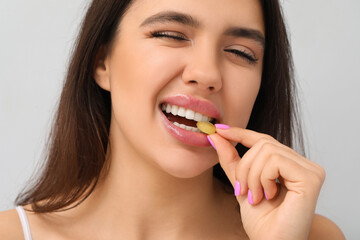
x=243 y=54
x=180 y=37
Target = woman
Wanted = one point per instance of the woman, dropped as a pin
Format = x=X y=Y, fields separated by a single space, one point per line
x=119 y=167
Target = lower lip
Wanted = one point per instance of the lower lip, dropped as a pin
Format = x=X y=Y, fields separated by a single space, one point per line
x=185 y=136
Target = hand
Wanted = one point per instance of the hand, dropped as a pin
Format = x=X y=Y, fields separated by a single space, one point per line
x=289 y=210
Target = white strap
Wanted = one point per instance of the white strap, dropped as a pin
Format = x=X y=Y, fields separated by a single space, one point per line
x=24 y=222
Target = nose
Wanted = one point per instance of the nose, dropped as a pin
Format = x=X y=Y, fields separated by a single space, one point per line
x=202 y=70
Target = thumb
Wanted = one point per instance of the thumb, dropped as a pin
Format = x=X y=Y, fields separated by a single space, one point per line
x=228 y=156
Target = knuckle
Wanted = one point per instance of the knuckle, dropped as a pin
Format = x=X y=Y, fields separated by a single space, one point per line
x=254 y=174
x=322 y=174
x=268 y=147
x=254 y=182
x=275 y=158
x=317 y=179
x=268 y=137
x=264 y=180
x=242 y=170
x=233 y=155
x=263 y=140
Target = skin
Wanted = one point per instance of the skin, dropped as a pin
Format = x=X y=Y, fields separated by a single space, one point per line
x=160 y=188
x=267 y=160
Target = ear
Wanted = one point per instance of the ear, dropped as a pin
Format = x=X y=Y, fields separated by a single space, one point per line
x=101 y=72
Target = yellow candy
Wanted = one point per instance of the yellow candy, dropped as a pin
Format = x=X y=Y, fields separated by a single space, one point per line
x=206 y=127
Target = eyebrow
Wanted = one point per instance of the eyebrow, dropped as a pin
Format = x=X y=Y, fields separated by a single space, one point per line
x=171 y=16
x=188 y=20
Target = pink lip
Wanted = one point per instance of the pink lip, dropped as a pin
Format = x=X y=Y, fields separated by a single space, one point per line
x=185 y=136
x=197 y=105
x=201 y=106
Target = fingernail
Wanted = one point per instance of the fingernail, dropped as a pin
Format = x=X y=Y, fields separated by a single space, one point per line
x=211 y=142
x=265 y=195
x=250 y=197
x=237 y=188
x=222 y=126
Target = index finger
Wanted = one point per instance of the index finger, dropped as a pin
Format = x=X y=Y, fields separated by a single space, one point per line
x=228 y=156
x=246 y=137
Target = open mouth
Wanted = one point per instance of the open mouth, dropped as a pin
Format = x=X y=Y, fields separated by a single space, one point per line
x=184 y=118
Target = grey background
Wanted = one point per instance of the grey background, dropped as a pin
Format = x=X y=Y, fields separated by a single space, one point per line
x=35 y=42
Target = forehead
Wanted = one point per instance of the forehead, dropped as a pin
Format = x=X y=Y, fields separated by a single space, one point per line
x=204 y=13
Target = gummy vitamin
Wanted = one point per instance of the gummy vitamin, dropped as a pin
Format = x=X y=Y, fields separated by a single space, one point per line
x=206 y=127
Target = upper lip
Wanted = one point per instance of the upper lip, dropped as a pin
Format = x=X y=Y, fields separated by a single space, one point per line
x=204 y=107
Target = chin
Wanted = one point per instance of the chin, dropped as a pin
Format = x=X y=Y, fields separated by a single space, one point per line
x=187 y=168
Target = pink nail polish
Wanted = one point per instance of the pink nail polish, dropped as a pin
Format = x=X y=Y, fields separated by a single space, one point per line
x=250 y=197
x=265 y=195
x=222 y=126
x=237 y=188
x=211 y=142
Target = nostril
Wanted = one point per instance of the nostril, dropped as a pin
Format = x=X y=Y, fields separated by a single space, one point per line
x=211 y=88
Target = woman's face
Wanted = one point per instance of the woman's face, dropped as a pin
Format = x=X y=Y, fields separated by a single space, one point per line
x=204 y=56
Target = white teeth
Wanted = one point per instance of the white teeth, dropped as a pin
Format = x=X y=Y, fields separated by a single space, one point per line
x=168 y=108
x=190 y=114
x=174 y=110
x=181 y=112
x=198 y=117
x=187 y=113
x=204 y=118
x=192 y=129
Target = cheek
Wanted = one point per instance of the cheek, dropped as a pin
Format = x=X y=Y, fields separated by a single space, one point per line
x=240 y=97
x=140 y=72
x=137 y=77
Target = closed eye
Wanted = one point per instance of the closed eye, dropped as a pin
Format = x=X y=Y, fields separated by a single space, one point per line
x=243 y=54
x=180 y=37
x=177 y=37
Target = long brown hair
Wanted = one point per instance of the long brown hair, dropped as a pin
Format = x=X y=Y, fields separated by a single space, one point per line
x=79 y=139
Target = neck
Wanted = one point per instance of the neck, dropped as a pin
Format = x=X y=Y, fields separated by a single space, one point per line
x=140 y=199
x=136 y=182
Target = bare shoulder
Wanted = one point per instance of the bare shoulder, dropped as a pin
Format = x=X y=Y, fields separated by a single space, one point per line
x=324 y=228
x=10 y=226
